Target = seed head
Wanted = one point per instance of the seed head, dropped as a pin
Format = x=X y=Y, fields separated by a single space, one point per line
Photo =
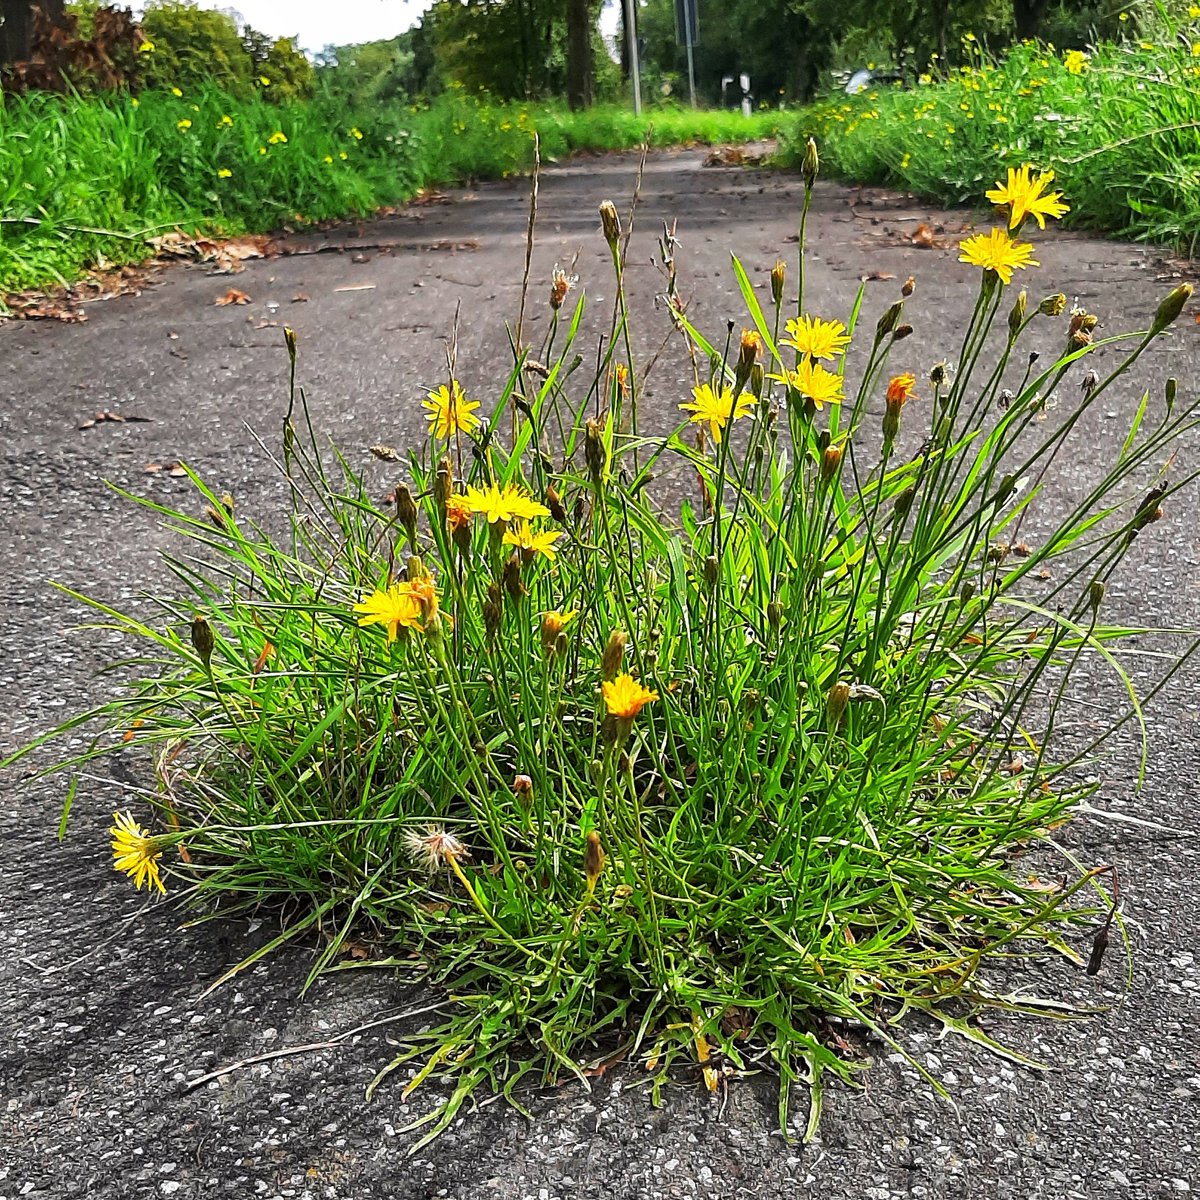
x=811 y=165
x=435 y=849
x=611 y=223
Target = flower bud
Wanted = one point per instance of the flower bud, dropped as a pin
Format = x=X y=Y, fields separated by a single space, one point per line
x=902 y=505
x=888 y=321
x=908 y=287
x=774 y=614
x=758 y=378
x=593 y=860
x=1016 y=316
x=811 y=165
x=593 y=450
x=555 y=505
x=1095 y=594
x=1053 y=306
x=1170 y=308
x=901 y=332
x=493 y=611
x=712 y=570
x=831 y=460
x=443 y=486
x=966 y=592
x=289 y=340
x=511 y=576
x=614 y=654
x=406 y=513
x=1171 y=391
x=778 y=276
x=835 y=704
x=552 y=632
x=611 y=223
x=523 y=790
x=203 y=640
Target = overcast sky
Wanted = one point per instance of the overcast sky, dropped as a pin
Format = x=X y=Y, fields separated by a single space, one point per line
x=319 y=23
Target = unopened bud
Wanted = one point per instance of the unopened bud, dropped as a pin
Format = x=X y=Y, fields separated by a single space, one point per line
x=1095 y=594
x=1170 y=308
x=1172 y=389
x=835 y=704
x=523 y=790
x=831 y=460
x=593 y=860
x=888 y=321
x=406 y=513
x=965 y=593
x=593 y=450
x=443 y=486
x=774 y=614
x=1053 y=306
x=712 y=570
x=552 y=632
x=901 y=332
x=1016 y=316
x=614 y=654
x=903 y=502
x=289 y=340
x=493 y=611
x=778 y=276
x=811 y=165
x=203 y=640
x=611 y=223
x=908 y=287
x=511 y=577
x=758 y=378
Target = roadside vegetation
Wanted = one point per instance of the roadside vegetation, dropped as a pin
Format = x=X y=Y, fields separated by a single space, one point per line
x=1118 y=123
x=694 y=778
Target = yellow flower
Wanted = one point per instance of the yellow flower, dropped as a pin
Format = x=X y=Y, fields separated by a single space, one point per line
x=356 y=134
x=176 y=92
x=1194 y=11
x=329 y=158
x=262 y=149
x=816 y=338
x=224 y=173
x=135 y=102
x=553 y=623
x=399 y=607
x=264 y=81
x=996 y=251
x=343 y=155
x=900 y=389
x=624 y=697
x=185 y=124
x=1023 y=192
x=277 y=137
x=504 y=504
x=717 y=409
x=815 y=382
x=449 y=411
x=147 y=47
x=530 y=541
x=458 y=512
x=1075 y=61
x=226 y=120
x=135 y=852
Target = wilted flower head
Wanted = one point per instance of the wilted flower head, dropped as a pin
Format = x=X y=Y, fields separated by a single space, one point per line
x=560 y=284
x=435 y=849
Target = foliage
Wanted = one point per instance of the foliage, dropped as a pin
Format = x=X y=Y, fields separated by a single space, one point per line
x=1118 y=124
x=667 y=775
x=73 y=168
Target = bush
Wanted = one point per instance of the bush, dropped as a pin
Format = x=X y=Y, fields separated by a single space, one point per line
x=674 y=785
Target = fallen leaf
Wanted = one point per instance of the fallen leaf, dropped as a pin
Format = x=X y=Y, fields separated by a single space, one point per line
x=261 y=661
x=299 y=298
x=876 y=276
x=233 y=296
x=922 y=237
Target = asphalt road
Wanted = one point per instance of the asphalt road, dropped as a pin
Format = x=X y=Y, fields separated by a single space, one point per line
x=101 y=1021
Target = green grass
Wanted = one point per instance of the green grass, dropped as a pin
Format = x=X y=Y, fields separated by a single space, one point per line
x=72 y=166
x=1122 y=135
x=863 y=642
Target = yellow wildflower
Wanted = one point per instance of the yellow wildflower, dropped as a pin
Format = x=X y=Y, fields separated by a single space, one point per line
x=624 y=697
x=1075 y=61
x=224 y=173
x=176 y=92
x=814 y=382
x=900 y=389
x=277 y=137
x=816 y=338
x=329 y=158
x=397 y=608
x=356 y=134
x=264 y=81
x=718 y=409
x=531 y=541
x=504 y=504
x=996 y=251
x=448 y=411
x=135 y=852
x=183 y=125
x=1023 y=193
x=343 y=155
x=226 y=120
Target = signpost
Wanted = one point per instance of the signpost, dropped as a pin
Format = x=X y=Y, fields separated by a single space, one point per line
x=687 y=32
x=631 y=38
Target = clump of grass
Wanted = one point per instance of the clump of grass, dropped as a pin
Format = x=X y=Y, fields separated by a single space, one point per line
x=673 y=781
x=1118 y=124
x=88 y=179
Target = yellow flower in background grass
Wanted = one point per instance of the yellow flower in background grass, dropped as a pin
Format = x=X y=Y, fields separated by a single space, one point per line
x=1026 y=196
x=532 y=541
x=176 y=92
x=816 y=338
x=814 y=382
x=135 y=852
x=147 y=47
x=397 y=608
x=264 y=81
x=1075 y=61
x=184 y=125
x=329 y=158
x=624 y=697
x=224 y=173
x=356 y=134
x=343 y=155
x=996 y=251
x=900 y=389
x=225 y=121
x=510 y=503
x=277 y=137
x=717 y=408
x=448 y=411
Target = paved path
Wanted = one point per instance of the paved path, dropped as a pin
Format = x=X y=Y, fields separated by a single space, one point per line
x=100 y=1021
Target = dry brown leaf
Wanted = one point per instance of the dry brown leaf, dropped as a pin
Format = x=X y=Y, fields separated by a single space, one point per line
x=877 y=276
x=922 y=237
x=299 y=298
x=233 y=296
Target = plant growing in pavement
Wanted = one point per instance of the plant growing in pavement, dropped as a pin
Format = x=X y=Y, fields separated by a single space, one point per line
x=678 y=784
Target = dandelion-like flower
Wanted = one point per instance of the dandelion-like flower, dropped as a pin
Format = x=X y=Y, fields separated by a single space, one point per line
x=900 y=389
x=718 y=408
x=1075 y=61
x=996 y=251
x=224 y=173
x=560 y=284
x=1026 y=196
x=532 y=541
x=184 y=125
x=553 y=624
x=814 y=382
x=624 y=697
x=435 y=849
x=458 y=513
x=135 y=852
x=397 y=608
x=448 y=411
x=816 y=338
x=277 y=137
x=504 y=504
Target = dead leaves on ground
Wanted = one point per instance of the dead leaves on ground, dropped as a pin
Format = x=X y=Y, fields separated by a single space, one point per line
x=106 y=416
x=232 y=296
x=227 y=257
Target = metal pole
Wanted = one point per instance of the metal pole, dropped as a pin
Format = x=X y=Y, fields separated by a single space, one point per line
x=691 y=73
x=634 y=69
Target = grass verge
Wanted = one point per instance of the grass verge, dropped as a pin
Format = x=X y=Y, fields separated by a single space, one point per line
x=693 y=782
x=84 y=181
x=1120 y=126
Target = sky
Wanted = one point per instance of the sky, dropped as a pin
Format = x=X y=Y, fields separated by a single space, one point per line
x=318 y=23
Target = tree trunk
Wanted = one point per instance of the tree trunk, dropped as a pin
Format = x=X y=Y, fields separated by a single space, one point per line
x=16 y=34
x=579 y=54
x=1027 y=16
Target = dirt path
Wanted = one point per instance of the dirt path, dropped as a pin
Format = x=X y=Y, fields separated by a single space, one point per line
x=101 y=1024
